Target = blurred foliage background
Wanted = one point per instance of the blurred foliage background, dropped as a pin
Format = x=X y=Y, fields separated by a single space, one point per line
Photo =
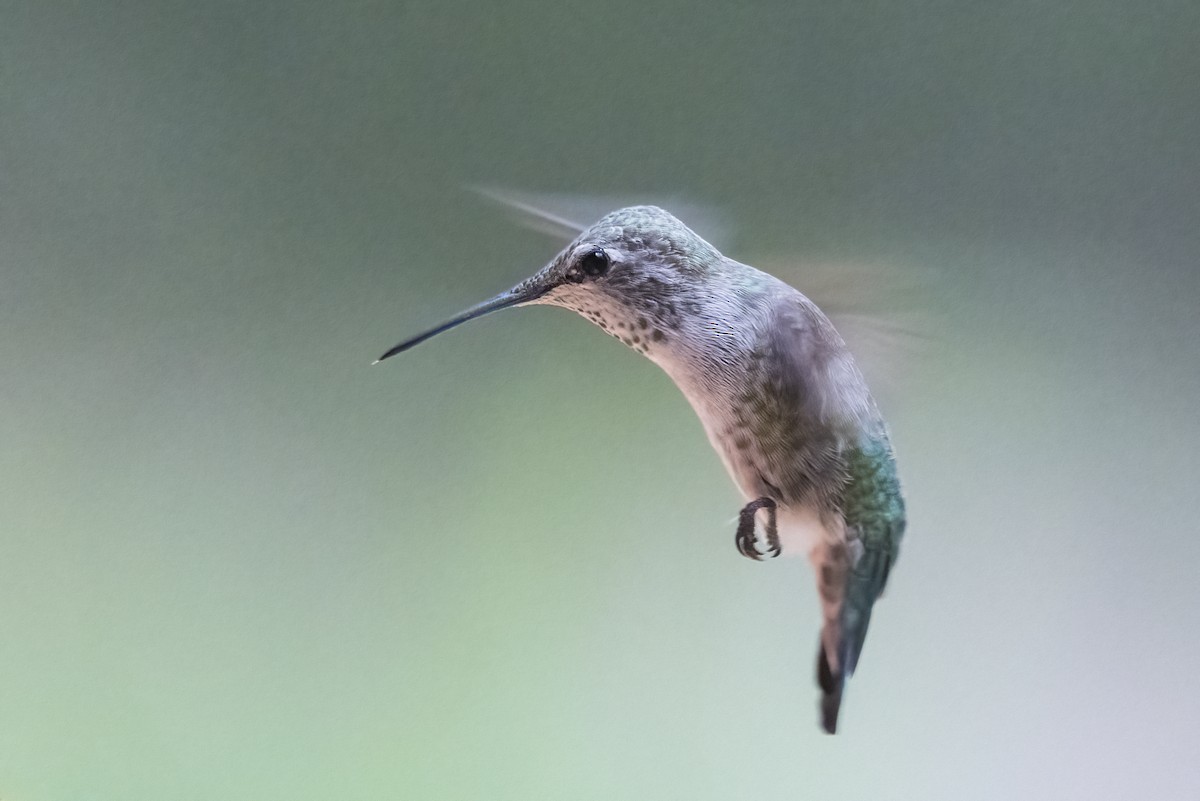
x=237 y=563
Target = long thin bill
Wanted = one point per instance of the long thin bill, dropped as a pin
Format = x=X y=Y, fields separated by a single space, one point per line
x=512 y=297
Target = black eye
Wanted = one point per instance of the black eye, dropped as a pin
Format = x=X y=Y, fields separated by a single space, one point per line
x=594 y=263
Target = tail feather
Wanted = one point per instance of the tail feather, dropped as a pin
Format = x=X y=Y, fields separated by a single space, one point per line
x=865 y=585
x=831 y=683
x=852 y=569
x=849 y=591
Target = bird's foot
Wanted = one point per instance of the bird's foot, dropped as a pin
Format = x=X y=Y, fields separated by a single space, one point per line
x=745 y=540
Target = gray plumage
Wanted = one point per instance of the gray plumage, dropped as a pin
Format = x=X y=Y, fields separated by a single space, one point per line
x=775 y=387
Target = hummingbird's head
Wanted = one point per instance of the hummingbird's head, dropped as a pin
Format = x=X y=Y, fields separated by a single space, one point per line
x=636 y=274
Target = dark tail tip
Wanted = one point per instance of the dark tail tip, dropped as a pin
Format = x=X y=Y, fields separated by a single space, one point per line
x=830 y=704
x=831 y=685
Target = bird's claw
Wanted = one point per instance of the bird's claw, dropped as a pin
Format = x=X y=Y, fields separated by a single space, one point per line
x=745 y=540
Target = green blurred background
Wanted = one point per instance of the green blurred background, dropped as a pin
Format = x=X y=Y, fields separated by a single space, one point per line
x=237 y=563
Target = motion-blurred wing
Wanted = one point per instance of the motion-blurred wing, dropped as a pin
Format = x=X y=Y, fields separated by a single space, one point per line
x=564 y=215
x=884 y=313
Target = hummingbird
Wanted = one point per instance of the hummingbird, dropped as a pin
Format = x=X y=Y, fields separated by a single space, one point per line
x=776 y=389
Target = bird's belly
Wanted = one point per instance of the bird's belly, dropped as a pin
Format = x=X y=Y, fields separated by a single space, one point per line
x=800 y=527
x=800 y=530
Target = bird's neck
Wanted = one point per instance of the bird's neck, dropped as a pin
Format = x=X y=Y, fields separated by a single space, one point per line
x=709 y=352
